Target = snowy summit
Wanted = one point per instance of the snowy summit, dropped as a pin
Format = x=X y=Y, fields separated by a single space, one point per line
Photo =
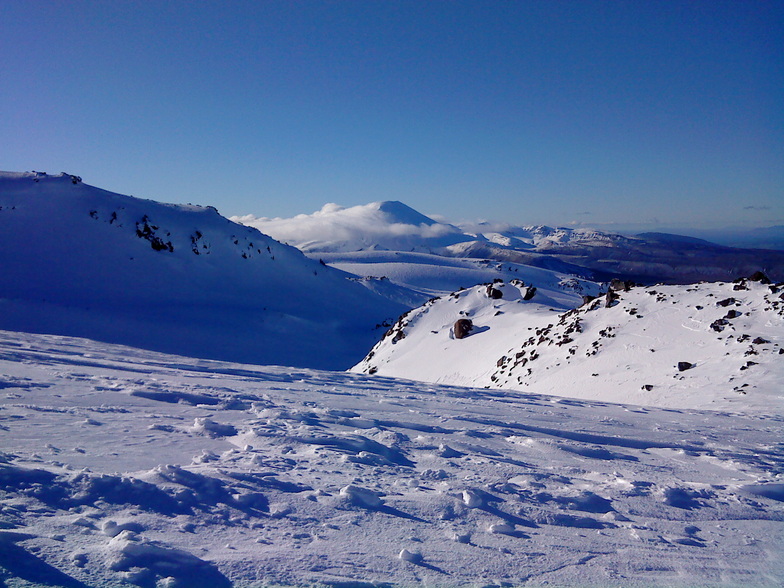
x=388 y=225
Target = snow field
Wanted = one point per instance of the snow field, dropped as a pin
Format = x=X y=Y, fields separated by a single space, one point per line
x=127 y=466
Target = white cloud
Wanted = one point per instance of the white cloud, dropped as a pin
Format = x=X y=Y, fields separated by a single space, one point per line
x=379 y=224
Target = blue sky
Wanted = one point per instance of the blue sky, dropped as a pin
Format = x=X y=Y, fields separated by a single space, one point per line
x=623 y=113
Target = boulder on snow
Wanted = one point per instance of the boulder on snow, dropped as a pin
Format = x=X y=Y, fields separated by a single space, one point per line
x=759 y=277
x=494 y=293
x=616 y=284
x=529 y=293
x=463 y=328
x=684 y=365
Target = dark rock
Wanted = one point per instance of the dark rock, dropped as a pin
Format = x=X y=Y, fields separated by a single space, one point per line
x=647 y=387
x=684 y=365
x=494 y=293
x=529 y=293
x=760 y=341
x=617 y=285
x=733 y=314
x=609 y=298
x=759 y=277
x=725 y=302
x=588 y=298
x=463 y=328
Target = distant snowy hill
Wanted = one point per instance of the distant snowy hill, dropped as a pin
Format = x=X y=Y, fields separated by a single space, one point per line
x=123 y=467
x=709 y=345
x=387 y=225
x=82 y=261
x=592 y=254
x=430 y=275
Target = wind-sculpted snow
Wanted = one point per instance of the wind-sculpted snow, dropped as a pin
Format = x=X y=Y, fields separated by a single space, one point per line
x=126 y=467
x=77 y=260
x=717 y=346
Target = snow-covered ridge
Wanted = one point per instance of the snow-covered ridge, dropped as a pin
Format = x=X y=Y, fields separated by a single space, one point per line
x=83 y=261
x=544 y=237
x=710 y=345
x=127 y=467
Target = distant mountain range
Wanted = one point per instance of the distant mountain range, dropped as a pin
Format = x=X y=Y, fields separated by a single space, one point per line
x=592 y=254
x=757 y=238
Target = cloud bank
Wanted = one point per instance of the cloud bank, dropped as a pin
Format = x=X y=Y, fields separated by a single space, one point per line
x=378 y=225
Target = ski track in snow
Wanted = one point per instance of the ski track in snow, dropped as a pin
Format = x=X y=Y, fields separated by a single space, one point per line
x=122 y=465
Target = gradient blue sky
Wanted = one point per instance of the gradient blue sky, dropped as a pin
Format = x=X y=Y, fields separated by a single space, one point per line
x=653 y=114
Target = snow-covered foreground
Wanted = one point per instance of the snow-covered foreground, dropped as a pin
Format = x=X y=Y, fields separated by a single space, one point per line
x=122 y=465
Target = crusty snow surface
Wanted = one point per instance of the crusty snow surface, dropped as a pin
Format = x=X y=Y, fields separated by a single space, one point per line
x=125 y=466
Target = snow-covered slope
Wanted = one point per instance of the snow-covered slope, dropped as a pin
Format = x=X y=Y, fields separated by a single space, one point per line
x=379 y=225
x=127 y=467
x=82 y=261
x=709 y=345
x=435 y=275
